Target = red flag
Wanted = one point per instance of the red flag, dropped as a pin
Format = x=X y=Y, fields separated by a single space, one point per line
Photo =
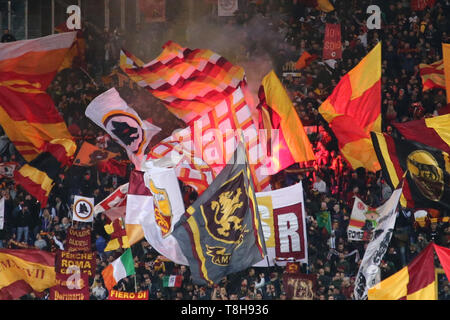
x=444 y=257
x=113 y=167
x=420 y=5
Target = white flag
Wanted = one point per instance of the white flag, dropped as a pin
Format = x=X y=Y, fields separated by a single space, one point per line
x=83 y=209
x=283 y=222
x=110 y=112
x=377 y=247
x=168 y=208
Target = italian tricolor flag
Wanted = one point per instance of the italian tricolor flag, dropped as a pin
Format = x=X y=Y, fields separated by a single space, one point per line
x=172 y=281
x=118 y=269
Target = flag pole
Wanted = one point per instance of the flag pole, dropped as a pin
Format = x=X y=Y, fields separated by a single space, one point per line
x=135 y=283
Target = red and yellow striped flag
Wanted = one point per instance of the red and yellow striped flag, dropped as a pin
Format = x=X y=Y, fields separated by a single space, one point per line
x=416 y=281
x=27 y=112
x=189 y=82
x=25 y=270
x=287 y=141
x=353 y=110
x=432 y=75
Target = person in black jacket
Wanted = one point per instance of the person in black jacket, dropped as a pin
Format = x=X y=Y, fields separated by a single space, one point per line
x=23 y=222
x=7 y=37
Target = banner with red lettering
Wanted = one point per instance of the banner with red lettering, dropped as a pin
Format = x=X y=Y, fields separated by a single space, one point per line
x=70 y=287
x=332 y=47
x=78 y=240
x=420 y=5
x=84 y=260
x=299 y=286
x=283 y=222
x=122 y=295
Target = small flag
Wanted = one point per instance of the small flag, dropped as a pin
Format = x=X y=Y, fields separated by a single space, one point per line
x=83 y=209
x=119 y=269
x=90 y=155
x=172 y=281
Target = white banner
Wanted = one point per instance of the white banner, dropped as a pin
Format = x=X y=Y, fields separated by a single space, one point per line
x=83 y=209
x=7 y=169
x=2 y=213
x=282 y=214
x=377 y=247
x=357 y=225
x=226 y=8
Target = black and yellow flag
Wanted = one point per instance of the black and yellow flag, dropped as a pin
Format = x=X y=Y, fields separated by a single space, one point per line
x=221 y=232
x=427 y=169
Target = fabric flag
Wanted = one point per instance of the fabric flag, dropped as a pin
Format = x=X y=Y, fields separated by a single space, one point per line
x=141 y=222
x=169 y=206
x=115 y=199
x=416 y=281
x=305 y=59
x=118 y=235
x=432 y=75
x=2 y=213
x=286 y=138
x=332 y=46
x=113 y=166
x=120 y=268
x=221 y=232
x=446 y=59
x=324 y=221
x=369 y=268
x=111 y=113
x=362 y=221
x=90 y=155
x=322 y=5
x=172 y=281
x=434 y=132
x=213 y=138
x=189 y=82
x=76 y=56
x=353 y=110
x=282 y=214
x=444 y=257
x=25 y=270
x=27 y=113
x=83 y=209
x=7 y=169
x=427 y=171
x=69 y=288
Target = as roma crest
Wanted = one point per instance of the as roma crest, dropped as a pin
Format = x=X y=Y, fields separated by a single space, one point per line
x=163 y=209
x=127 y=129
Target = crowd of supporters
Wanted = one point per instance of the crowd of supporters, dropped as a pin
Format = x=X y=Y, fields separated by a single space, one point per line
x=408 y=38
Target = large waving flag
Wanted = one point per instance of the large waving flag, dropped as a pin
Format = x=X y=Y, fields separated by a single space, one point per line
x=120 y=268
x=25 y=270
x=427 y=171
x=142 y=221
x=189 y=82
x=221 y=232
x=368 y=271
x=76 y=57
x=286 y=138
x=28 y=114
x=210 y=141
x=353 y=110
x=416 y=281
x=111 y=113
x=434 y=132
